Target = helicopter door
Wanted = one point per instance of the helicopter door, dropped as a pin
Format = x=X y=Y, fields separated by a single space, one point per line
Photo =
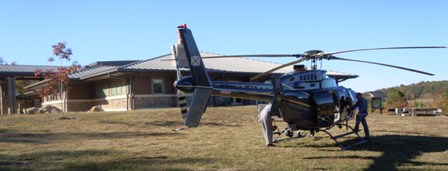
x=338 y=107
x=327 y=105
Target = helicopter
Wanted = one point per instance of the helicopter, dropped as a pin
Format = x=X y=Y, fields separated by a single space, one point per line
x=307 y=100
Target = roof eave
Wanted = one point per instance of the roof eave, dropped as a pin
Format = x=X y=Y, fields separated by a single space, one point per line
x=40 y=84
x=36 y=85
x=99 y=74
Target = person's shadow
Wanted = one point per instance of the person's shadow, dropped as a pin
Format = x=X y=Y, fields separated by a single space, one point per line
x=398 y=150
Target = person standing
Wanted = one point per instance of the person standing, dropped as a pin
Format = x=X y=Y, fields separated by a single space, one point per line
x=361 y=104
x=266 y=123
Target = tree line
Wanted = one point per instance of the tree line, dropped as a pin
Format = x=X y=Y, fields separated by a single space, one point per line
x=422 y=94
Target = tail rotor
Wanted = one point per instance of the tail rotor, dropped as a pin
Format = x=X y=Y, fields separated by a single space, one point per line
x=177 y=51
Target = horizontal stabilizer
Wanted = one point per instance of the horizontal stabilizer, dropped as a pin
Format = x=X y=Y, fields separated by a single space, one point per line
x=198 y=103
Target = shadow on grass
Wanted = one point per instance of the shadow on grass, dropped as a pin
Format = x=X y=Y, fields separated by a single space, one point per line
x=12 y=136
x=397 y=150
x=143 y=163
x=164 y=123
x=46 y=159
x=93 y=160
x=220 y=124
x=152 y=123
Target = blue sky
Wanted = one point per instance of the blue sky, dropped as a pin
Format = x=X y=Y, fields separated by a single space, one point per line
x=122 y=30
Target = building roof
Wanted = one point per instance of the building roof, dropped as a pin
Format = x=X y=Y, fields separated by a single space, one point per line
x=219 y=65
x=99 y=67
x=112 y=63
x=22 y=70
x=91 y=71
x=163 y=64
x=240 y=65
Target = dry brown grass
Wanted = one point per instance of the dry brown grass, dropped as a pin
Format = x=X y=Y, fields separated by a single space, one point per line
x=229 y=138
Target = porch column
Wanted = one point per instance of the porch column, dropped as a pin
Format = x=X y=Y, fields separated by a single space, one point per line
x=1 y=98
x=11 y=95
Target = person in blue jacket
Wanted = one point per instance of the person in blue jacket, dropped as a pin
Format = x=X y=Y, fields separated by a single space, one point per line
x=361 y=104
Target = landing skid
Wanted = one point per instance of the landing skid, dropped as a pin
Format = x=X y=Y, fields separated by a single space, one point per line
x=289 y=133
x=360 y=140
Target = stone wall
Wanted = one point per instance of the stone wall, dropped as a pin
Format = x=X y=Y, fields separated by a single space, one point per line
x=154 y=101
x=112 y=104
x=115 y=103
x=80 y=105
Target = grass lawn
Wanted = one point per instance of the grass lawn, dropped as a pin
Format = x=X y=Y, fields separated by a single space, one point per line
x=229 y=138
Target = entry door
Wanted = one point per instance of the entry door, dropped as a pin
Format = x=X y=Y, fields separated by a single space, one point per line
x=237 y=101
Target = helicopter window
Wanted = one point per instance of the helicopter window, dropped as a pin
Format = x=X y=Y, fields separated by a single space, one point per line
x=327 y=83
x=315 y=77
x=307 y=77
x=292 y=79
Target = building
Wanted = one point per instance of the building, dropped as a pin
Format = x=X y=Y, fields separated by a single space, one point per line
x=130 y=85
x=9 y=75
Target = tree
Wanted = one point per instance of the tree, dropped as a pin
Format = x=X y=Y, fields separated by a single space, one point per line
x=4 y=62
x=57 y=80
x=446 y=100
x=396 y=98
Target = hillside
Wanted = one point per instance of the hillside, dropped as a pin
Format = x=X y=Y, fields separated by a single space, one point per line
x=422 y=89
x=422 y=94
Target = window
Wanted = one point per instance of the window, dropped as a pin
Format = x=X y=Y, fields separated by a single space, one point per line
x=99 y=91
x=102 y=89
x=113 y=88
x=117 y=87
x=236 y=101
x=110 y=88
x=157 y=86
x=105 y=87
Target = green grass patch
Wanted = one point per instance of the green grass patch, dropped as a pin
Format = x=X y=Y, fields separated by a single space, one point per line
x=229 y=138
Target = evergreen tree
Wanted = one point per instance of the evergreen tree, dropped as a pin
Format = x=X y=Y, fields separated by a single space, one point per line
x=396 y=98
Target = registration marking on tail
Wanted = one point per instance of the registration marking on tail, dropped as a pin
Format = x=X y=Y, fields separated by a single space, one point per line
x=196 y=60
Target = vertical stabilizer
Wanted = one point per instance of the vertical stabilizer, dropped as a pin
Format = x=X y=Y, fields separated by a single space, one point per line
x=201 y=81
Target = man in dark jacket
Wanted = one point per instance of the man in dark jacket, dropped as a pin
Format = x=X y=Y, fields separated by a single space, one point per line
x=361 y=104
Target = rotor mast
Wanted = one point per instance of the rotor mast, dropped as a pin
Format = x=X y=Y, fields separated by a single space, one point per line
x=313 y=56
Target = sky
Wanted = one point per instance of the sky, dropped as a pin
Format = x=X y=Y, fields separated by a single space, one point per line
x=133 y=30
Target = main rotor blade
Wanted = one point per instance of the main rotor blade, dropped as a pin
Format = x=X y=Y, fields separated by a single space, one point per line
x=376 y=63
x=254 y=56
x=385 y=48
x=275 y=69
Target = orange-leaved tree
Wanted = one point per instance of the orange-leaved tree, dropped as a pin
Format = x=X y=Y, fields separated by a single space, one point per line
x=57 y=80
